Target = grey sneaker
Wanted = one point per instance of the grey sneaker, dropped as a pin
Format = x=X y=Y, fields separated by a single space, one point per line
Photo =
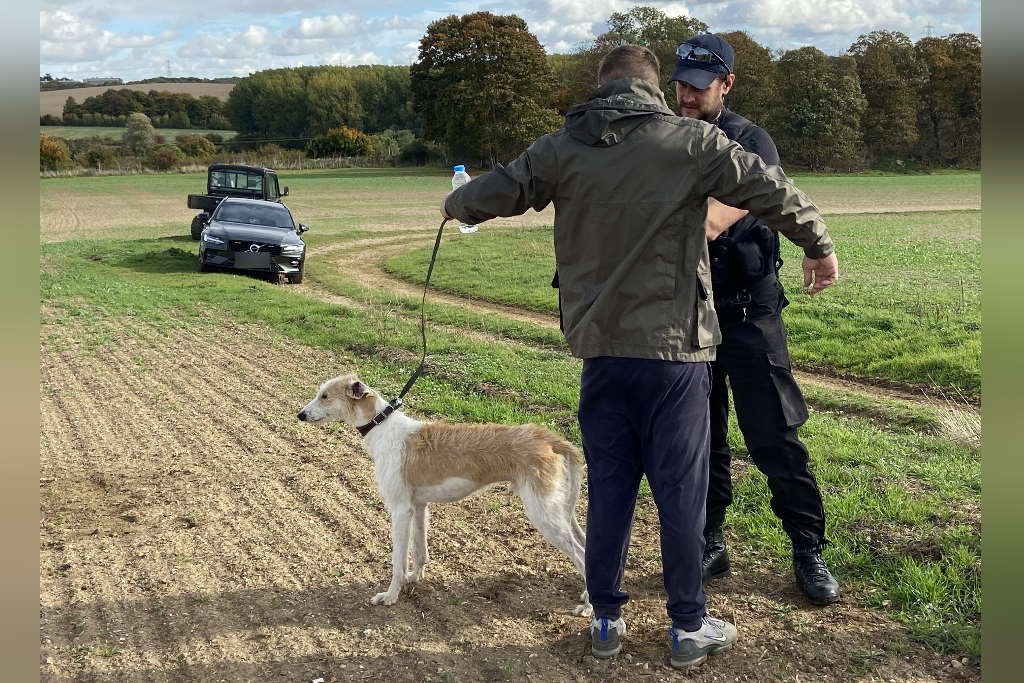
x=605 y=636
x=690 y=648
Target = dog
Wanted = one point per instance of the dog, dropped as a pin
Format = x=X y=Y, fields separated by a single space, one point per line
x=416 y=463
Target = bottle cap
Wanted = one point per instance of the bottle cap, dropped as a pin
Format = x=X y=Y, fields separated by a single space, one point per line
x=458 y=168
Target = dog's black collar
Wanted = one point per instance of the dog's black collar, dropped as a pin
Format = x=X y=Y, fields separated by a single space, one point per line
x=380 y=417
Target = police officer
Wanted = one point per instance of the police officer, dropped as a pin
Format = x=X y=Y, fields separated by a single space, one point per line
x=753 y=356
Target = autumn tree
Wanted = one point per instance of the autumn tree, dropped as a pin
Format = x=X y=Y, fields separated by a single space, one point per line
x=817 y=120
x=53 y=153
x=890 y=77
x=483 y=87
x=340 y=142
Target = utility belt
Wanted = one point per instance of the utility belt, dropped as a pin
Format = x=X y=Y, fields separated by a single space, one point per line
x=758 y=298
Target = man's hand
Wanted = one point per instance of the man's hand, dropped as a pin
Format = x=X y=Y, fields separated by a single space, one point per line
x=820 y=273
x=444 y=213
x=720 y=218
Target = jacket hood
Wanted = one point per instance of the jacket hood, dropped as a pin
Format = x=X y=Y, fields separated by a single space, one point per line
x=614 y=111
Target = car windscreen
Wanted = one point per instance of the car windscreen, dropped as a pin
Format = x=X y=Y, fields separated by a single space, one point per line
x=252 y=214
x=236 y=180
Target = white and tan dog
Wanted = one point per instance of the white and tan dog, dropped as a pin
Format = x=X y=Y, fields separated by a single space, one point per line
x=416 y=463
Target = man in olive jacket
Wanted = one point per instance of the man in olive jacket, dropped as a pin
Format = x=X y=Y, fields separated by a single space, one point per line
x=630 y=180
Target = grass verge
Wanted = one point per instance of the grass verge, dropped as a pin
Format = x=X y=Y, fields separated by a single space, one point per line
x=907 y=308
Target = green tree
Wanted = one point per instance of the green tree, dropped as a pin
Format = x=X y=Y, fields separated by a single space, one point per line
x=386 y=98
x=332 y=101
x=164 y=158
x=646 y=26
x=483 y=87
x=949 y=100
x=575 y=77
x=179 y=119
x=817 y=120
x=754 y=93
x=661 y=33
x=270 y=105
x=390 y=142
x=139 y=135
x=98 y=156
x=890 y=77
x=195 y=146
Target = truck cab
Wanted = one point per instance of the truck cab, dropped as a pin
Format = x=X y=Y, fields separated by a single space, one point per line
x=233 y=180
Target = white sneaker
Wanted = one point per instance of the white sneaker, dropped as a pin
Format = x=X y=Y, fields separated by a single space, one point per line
x=467 y=229
x=604 y=636
x=690 y=648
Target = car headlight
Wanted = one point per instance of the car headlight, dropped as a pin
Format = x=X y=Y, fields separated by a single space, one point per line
x=210 y=239
x=292 y=249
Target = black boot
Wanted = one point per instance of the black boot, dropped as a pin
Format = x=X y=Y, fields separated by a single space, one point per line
x=813 y=576
x=716 y=555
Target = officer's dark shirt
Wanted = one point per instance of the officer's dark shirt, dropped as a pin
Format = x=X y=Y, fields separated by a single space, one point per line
x=731 y=274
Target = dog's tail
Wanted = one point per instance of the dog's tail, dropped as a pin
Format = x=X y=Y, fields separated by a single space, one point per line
x=574 y=476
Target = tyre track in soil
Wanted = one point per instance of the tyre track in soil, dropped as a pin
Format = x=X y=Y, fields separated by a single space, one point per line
x=286 y=544
x=363 y=260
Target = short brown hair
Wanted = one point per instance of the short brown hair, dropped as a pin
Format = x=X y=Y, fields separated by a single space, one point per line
x=629 y=61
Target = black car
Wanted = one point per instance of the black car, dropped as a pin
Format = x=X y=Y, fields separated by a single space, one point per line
x=253 y=235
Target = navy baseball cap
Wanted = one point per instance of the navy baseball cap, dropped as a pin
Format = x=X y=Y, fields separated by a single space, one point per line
x=702 y=59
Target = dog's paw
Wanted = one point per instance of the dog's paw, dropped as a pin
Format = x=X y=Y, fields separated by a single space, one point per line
x=414 y=575
x=583 y=610
x=386 y=598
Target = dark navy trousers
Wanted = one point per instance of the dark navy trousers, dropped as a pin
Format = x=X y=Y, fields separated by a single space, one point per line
x=646 y=417
x=769 y=410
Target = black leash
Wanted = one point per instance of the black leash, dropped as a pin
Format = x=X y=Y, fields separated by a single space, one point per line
x=396 y=403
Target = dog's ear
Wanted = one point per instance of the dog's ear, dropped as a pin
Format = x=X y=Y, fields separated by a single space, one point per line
x=357 y=390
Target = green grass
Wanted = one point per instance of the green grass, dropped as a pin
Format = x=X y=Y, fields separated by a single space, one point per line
x=906 y=309
x=902 y=504
x=116 y=132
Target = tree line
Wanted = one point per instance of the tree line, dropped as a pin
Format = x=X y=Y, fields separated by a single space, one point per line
x=482 y=89
x=164 y=109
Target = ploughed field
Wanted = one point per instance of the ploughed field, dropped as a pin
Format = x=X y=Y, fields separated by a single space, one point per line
x=193 y=529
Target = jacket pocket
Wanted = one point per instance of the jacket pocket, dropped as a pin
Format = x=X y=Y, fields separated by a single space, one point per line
x=791 y=400
x=707 y=318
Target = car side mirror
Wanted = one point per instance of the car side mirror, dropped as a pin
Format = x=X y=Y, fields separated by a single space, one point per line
x=303 y=228
x=284 y=192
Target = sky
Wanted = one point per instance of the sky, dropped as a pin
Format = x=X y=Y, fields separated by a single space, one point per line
x=134 y=41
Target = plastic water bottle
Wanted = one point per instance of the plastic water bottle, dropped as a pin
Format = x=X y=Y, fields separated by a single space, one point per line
x=458 y=180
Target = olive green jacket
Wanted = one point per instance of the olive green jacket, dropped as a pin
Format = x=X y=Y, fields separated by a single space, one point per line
x=630 y=182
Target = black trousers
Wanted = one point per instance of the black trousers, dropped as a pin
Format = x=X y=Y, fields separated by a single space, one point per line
x=769 y=408
x=645 y=417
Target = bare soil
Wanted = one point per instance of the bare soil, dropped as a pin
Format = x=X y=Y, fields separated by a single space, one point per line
x=193 y=530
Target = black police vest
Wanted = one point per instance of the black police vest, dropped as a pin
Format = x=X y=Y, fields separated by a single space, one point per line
x=748 y=252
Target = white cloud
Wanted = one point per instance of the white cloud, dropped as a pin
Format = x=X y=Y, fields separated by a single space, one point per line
x=64 y=36
x=352 y=58
x=119 y=38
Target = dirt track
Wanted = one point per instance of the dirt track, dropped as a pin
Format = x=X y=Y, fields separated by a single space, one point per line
x=193 y=530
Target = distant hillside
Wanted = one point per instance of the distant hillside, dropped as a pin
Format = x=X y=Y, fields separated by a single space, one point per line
x=52 y=101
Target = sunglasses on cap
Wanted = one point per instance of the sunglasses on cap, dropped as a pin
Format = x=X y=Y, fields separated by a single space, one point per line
x=699 y=54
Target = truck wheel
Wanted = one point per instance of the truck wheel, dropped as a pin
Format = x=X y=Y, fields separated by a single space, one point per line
x=296 y=278
x=197 y=226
